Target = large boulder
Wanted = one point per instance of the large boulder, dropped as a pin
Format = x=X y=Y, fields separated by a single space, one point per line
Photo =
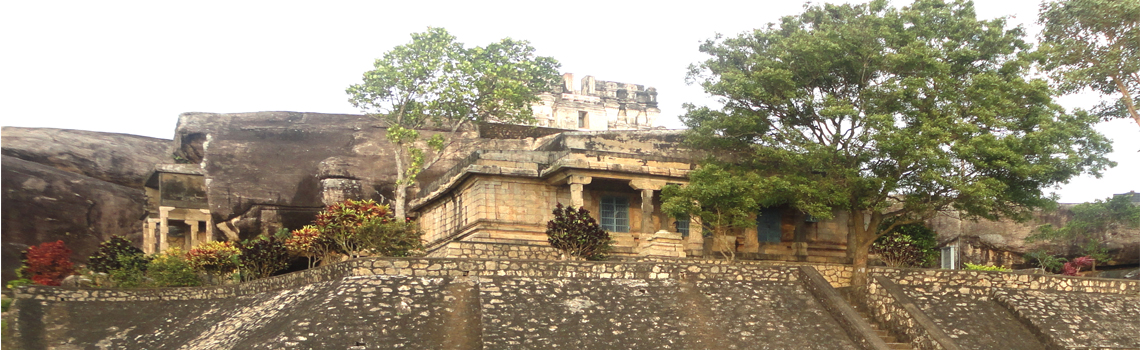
x=118 y=158
x=44 y=204
x=268 y=170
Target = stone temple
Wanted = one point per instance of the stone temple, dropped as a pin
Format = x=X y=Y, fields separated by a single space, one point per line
x=490 y=280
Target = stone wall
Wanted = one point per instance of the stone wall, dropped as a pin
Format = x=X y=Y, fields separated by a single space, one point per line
x=469 y=250
x=1078 y=320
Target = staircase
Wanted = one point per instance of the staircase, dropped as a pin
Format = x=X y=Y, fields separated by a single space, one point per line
x=882 y=333
x=892 y=342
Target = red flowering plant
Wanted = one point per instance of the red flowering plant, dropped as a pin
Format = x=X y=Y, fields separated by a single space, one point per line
x=49 y=263
x=340 y=222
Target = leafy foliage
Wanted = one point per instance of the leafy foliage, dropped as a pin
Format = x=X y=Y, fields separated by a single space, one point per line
x=341 y=221
x=435 y=81
x=889 y=114
x=262 y=257
x=49 y=263
x=106 y=258
x=310 y=243
x=386 y=237
x=131 y=271
x=1095 y=44
x=170 y=269
x=1089 y=224
x=577 y=234
x=910 y=245
x=217 y=258
x=1073 y=267
x=1043 y=259
x=973 y=267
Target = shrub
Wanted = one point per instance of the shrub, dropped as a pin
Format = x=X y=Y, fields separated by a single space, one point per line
x=909 y=245
x=170 y=269
x=107 y=257
x=310 y=243
x=49 y=263
x=897 y=250
x=1074 y=266
x=577 y=234
x=339 y=223
x=131 y=271
x=974 y=267
x=262 y=257
x=1046 y=261
x=216 y=258
x=385 y=237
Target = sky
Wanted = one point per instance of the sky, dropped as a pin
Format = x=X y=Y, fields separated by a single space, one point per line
x=133 y=67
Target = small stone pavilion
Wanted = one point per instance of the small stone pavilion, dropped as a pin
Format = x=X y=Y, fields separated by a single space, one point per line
x=178 y=213
x=598 y=105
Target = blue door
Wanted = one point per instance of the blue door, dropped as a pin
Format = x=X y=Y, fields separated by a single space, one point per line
x=768 y=225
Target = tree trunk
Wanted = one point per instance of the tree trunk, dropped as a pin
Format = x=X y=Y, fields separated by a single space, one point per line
x=1127 y=98
x=401 y=197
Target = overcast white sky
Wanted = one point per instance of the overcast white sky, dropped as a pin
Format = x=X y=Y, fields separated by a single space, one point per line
x=133 y=67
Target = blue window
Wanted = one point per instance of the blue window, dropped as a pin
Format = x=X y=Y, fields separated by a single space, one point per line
x=768 y=225
x=615 y=214
x=682 y=226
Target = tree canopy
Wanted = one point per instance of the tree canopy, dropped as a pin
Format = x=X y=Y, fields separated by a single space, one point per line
x=889 y=113
x=434 y=81
x=1095 y=44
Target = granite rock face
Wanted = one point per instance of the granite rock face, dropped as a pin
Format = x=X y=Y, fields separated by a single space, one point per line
x=117 y=158
x=277 y=169
x=44 y=204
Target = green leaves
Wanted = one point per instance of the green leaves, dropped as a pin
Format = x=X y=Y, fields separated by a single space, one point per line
x=1094 y=44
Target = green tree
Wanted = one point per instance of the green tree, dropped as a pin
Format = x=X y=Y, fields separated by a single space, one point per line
x=1089 y=224
x=1095 y=44
x=434 y=82
x=889 y=114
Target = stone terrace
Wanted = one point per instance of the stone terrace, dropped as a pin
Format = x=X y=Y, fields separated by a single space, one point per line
x=529 y=304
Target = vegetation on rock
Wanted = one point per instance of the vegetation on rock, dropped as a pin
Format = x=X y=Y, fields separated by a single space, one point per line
x=1088 y=228
x=434 y=81
x=889 y=114
x=577 y=234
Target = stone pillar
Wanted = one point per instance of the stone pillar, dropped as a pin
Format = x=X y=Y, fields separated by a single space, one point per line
x=695 y=244
x=647 y=212
x=163 y=228
x=646 y=186
x=209 y=225
x=192 y=241
x=577 y=185
x=148 y=236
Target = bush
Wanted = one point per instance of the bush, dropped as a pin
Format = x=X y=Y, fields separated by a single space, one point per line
x=131 y=272
x=310 y=243
x=339 y=223
x=216 y=258
x=170 y=269
x=973 y=267
x=262 y=257
x=909 y=245
x=49 y=263
x=1046 y=261
x=577 y=234
x=107 y=257
x=385 y=237
x=1072 y=268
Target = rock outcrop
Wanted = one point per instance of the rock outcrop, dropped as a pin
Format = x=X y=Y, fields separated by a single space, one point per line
x=117 y=158
x=44 y=204
x=267 y=170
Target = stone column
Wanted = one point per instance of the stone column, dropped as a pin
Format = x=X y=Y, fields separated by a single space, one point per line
x=192 y=241
x=148 y=236
x=163 y=228
x=647 y=226
x=577 y=185
x=646 y=186
x=209 y=225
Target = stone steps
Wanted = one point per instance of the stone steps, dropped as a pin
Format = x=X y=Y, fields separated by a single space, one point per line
x=891 y=341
